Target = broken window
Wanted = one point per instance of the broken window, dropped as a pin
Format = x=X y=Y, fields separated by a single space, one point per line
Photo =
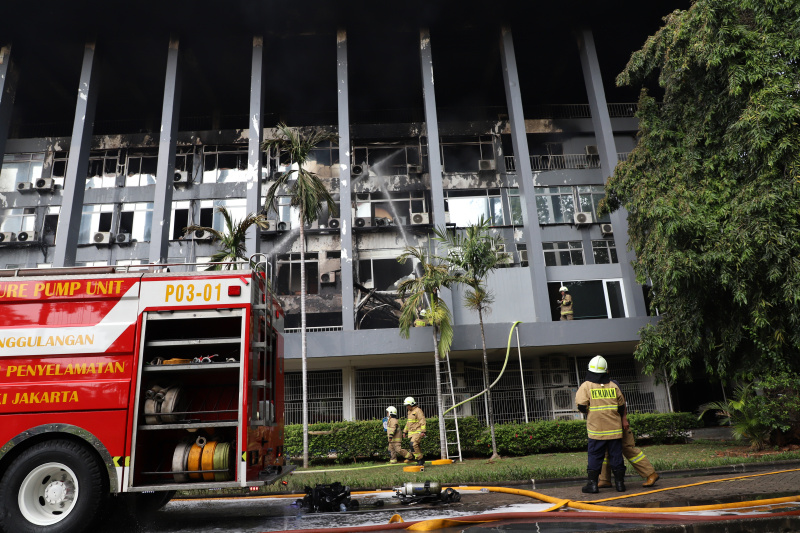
x=591 y=299
x=563 y=253
x=104 y=167
x=94 y=218
x=17 y=221
x=50 y=224
x=60 y=167
x=323 y=160
x=136 y=219
x=20 y=168
x=388 y=158
x=605 y=252
x=224 y=164
x=210 y=217
x=289 y=274
x=390 y=208
x=141 y=169
x=380 y=270
x=464 y=155
x=466 y=207
x=179 y=219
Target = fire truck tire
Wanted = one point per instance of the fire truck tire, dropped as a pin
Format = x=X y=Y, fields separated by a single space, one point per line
x=55 y=486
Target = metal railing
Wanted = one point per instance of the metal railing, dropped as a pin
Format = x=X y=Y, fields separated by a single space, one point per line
x=314 y=329
x=558 y=162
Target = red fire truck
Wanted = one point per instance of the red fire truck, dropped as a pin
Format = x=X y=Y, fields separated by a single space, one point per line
x=134 y=384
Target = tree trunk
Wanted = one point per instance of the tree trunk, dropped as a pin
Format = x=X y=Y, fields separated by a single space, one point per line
x=439 y=399
x=304 y=376
x=495 y=455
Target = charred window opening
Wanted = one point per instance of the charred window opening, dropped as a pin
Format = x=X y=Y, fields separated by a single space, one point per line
x=464 y=155
x=179 y=218
x=50 y=225
x=104 y=167
x=387 y=158
x=289 y=274
x=383 y=272
x=389 y=208
x=224 y=164
x=59 y=167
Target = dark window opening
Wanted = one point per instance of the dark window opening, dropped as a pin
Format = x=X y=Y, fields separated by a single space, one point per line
x=181 y=222
x=49 y=229
x=125 y=221
x=207 y=216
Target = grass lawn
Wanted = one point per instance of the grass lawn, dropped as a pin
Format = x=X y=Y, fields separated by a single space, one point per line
x=543 y=466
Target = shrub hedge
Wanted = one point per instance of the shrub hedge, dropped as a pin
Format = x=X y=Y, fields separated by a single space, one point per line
x=347 y=441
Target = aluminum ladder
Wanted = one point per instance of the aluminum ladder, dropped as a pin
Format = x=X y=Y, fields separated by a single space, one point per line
x=452 y=436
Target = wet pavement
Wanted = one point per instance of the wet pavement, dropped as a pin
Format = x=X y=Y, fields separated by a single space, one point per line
x=684 y=488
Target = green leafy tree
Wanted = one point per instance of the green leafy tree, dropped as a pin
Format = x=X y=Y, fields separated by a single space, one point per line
x=423 y=305
x=713 y=188
x=743 y=415
x=308 y=194
x=232 y=240
x=475 y=253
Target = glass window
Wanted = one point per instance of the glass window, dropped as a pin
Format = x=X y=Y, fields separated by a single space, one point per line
x=210 y=217
x=515 y=203
x=18 y=220
x=563 y=253
x=20 y=168
x=591 y=299
x=94 y=218
x=466 y=207
x=137 y=219
x=589 y=197
x=604 y=251
x=555 y=205
x=179 y=218
x=50 y=224
x=224 y=164
x=141 y=170
x=104 y=165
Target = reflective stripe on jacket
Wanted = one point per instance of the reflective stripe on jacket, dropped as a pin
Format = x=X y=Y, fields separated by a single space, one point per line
x=415 y=422
x=603 y=422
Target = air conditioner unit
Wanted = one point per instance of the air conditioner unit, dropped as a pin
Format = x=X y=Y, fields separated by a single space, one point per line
x=8 y=236
x=563 y=399
x=420 y=218
x=271 y=226
x=591 y=149
x=567 y=416
x=202 y=235
x=27 y=236
x=557 y=370
x=334 y=223
x=523 y=256
x=383 y=222
x=45 y=185
x=606 y=229
x=486 y=164
x=102 y=237
x=327 y=277
x=413 y=169
x=363 y=222
x=123 y=238
x=359 y=170
x=24 y=187
x=180 y=177
x=583 y=218
x=284 y=225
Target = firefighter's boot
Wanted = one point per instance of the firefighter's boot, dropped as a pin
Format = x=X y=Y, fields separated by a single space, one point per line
x=392 y=461
x=591 y=483
x=619 y=480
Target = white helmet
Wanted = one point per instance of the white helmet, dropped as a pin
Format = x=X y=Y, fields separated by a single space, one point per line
x=391 y=410
x=410 y=401
x=598 y=365
x=563 y=289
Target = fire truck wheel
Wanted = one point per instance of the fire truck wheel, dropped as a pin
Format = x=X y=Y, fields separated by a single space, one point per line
x=53 y=487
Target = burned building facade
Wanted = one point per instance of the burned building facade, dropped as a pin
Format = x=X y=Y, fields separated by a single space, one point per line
x=122 y=125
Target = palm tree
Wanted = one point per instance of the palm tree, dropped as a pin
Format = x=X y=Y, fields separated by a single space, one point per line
x=232 y=240
x=308 y=194
x=476 y=254
x=422 y=304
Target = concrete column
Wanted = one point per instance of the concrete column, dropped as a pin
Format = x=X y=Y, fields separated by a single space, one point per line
x=253 y=239
x=345 y=190
x=604 y=136
x=170 y=112
x=69 y=220
x=434 y=148
x=531 y=230
x=8 y=89
x=349 y=393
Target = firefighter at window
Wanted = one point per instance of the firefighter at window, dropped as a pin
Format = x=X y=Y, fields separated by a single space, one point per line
x=634 y=455
x=601 y=400
x=565 y=303
x=395 y=436
x=415 y=427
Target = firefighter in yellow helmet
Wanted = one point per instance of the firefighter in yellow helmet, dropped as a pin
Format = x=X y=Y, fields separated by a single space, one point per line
x=601 y=400
x=415 y=427
x=395 y=436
